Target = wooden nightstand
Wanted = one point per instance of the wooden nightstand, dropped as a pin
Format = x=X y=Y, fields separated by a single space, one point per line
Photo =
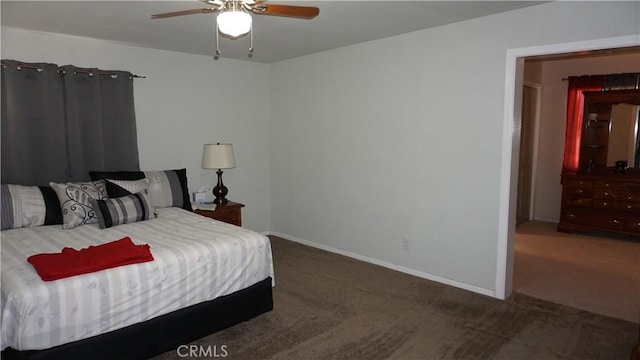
x=230 y=212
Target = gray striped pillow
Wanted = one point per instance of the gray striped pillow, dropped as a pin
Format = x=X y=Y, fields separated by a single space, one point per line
x=22 y=206
x=28 y=206
x=123 y=210
x=165 y=189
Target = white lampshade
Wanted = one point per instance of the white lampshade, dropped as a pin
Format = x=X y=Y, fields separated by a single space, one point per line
x=234 y=22
x=218 y=156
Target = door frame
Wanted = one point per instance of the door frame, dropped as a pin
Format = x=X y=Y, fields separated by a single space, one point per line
x=514 y=71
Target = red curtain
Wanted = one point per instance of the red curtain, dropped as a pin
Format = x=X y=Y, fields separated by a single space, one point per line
x=575 y=117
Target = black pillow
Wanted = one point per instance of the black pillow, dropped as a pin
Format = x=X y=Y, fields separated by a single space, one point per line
x=53 y=214
x=175 y=182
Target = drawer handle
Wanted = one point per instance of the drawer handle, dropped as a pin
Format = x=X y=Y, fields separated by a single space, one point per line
x=604 y=203
x=607 y=185
x=638 y=225
x=573 y=216
x=616 y=222
x=579 y=191
x=629 y=207
x=629 y=197
x=580 y=182
x=606 y=193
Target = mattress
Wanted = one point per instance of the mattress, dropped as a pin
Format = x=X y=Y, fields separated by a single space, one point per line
x=195 y=259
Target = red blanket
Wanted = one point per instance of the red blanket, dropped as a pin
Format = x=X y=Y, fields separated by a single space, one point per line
x=72 y=262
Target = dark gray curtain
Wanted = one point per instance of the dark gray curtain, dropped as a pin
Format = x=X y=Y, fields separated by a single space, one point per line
x=58 y=123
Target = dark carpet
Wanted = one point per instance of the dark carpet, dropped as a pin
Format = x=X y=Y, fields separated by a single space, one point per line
x=328 y=306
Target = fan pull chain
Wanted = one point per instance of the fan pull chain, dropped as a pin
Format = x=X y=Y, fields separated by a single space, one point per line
x=217 y=54
x=251 y=42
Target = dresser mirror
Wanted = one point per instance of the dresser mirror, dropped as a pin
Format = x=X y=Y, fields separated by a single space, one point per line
x=623 y=135
x=610 y=134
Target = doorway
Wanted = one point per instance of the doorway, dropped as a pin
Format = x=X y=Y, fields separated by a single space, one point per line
x=511 y=143
x=584 y=271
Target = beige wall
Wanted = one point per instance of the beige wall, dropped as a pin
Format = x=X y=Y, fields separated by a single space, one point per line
x=533 y=72
x=552 y=125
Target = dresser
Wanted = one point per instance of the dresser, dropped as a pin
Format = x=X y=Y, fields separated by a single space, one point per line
x=601 y=202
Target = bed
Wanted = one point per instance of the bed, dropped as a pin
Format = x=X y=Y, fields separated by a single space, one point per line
x=206 y=275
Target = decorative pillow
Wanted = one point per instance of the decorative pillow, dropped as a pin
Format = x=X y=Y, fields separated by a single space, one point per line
x=27 y=206
x=123 y=210
x=166 y=188
x=75 y=201
x=119 y=188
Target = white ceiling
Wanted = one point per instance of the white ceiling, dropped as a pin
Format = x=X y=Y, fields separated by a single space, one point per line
x=340 y=23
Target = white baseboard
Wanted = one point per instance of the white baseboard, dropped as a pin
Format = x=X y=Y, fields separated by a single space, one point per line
x=385 y=264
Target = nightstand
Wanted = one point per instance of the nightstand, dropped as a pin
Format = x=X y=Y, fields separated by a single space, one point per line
x=230 y=212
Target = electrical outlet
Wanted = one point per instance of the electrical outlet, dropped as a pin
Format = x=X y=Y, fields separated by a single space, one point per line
x=405 y=244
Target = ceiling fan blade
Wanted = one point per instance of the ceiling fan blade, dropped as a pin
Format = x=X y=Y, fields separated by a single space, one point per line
x=184 y=12
x=218 y=3
x=305 y=12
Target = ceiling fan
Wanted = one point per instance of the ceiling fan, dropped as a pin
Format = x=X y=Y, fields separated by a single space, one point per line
x=234 y=18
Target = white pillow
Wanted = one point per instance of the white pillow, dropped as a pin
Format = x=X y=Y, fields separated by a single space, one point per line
x=132 y=186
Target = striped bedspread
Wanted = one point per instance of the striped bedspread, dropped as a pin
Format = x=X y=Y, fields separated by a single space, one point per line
x=196 y=259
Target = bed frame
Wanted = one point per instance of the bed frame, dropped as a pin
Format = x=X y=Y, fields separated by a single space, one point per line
x=166 y=332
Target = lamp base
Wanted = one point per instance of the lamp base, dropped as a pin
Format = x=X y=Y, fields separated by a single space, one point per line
x=220 y=191
x=220 y=201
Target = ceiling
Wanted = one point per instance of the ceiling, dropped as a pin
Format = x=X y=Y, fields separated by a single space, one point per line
x=340 y=23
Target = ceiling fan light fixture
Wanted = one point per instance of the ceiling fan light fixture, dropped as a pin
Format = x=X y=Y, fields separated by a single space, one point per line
x=234 y=22
x=234 y=19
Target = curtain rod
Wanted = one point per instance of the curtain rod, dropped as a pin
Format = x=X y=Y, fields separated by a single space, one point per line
x=80 y=70
x=636 y=74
